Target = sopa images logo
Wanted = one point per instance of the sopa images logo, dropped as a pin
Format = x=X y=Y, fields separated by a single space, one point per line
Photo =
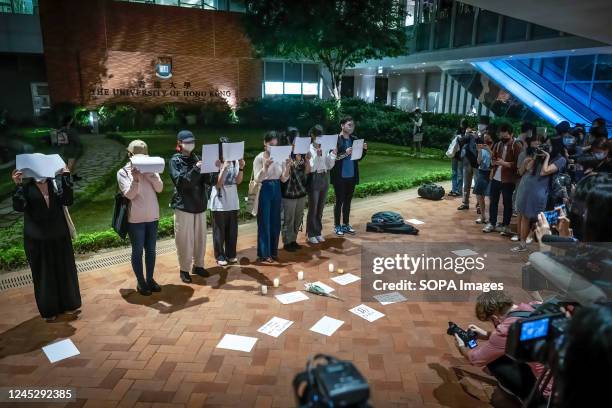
x=163 y=67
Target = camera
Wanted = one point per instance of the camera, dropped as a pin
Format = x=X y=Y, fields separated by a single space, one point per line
x=467 y=336
x=335 y=384
x=541 y=149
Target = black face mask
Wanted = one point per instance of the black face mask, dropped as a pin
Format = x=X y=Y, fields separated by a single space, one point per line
x=505 y=139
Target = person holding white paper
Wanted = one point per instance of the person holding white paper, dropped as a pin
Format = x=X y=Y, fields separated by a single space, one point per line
x=189 y=201
x=320 y=164
x=224 y=206
x=47 y=241
x=143 y=215
x=294 y=194
x=270 y=174
x=345 y=176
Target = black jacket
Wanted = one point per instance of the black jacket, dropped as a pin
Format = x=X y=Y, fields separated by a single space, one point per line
x=336 y=171
x=191 y=189
x=39 y=221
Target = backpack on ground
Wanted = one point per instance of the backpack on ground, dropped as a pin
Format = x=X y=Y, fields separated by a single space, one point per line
x=431 y=191
x=391 y=223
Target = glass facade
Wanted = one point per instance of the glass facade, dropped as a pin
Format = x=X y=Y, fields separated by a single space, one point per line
x=220 y=5
x=19 y=6
x=291 y=78
x=585 y=78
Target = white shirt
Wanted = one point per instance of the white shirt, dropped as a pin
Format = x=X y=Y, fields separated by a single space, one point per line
x=225 y=198
x=274 y=172
x=497 y=175
x=321 y=164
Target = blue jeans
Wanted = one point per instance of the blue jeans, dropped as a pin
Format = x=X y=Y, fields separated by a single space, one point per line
x=143 y=235
x=457 y=176
x=269 y=219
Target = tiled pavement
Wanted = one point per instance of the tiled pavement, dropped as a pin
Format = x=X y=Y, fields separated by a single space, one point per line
x=160 y=351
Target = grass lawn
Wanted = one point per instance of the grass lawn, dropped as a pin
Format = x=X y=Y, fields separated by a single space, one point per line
x=384 y=162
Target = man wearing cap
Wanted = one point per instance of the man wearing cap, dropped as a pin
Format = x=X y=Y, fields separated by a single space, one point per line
x=189 y=201
x=143 y=215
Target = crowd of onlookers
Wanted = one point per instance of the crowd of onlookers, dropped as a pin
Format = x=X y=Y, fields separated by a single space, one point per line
x=540 y=177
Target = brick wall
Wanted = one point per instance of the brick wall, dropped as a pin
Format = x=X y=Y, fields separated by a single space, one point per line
x=100 y=51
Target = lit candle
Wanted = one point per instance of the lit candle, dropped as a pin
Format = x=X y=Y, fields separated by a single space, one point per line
x=301 y=275
x=331 y=267
x=264 y=289
x=276 y=282
x=340 y=270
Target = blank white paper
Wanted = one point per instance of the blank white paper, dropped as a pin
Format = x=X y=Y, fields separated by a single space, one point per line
x=357 y=151
x=148 y=164
x=464 y=252
x=234 y=342
x=291 y=297
x=301 y=145
x=327 y=142
x=327 y=326
x=367 y=313
x=345 y=279
x=414 y=221
x=39 y=165
x=279 y=154
x=389 y=298
x=275 y=326
x=210 y=155
x=233 y=151
x=60 y=350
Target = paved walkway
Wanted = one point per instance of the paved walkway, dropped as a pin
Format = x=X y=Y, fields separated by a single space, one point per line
x=100 y=154
x=159 y=351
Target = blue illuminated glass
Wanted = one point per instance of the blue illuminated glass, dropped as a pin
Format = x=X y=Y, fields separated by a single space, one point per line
x=534 y=329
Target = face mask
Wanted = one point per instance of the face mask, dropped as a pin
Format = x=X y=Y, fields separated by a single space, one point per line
x=188 y=147
x=505 y=139
x=482 y=128
x=600 y=155
x=567 y=141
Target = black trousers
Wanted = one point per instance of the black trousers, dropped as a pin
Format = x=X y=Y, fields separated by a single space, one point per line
x=54 y=273
x=506 y=190
x=225 y=233
x=513 y=376
x=344 y=189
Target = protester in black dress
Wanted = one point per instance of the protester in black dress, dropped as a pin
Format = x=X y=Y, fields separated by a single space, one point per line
x=47 y=242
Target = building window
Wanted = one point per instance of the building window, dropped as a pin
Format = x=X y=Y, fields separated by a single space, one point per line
x=19 y=6
x=220 y=5
x=290 y=78
x=40 y=97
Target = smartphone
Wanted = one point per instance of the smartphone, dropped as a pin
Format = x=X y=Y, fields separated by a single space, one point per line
x=553 y=215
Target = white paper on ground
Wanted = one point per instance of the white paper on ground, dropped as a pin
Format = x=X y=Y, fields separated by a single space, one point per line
x=301 y=145
x=327 y=142
x=327 y=289
x=327 y=326
x=345 y=279
x=60 y=350
x=415 y=221
x=275 y=326
x=291 y=297
x=389 y=298
x=357 y=151
x=234 y=342
x=279 y=154
x=233 y=151
x=39 y=165
x=148 y=164
x=464 y=252
x=366 y=312
x=210 y=155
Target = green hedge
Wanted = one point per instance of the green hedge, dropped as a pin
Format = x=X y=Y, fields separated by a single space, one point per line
x=14 y=257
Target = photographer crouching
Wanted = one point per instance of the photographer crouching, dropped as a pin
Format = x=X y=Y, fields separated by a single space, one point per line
x=514 y=378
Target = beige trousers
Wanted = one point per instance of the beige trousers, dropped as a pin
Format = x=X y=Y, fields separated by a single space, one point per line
x=190 y=238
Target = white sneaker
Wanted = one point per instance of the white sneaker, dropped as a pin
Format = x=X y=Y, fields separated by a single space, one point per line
x=520 y=248
x=313 y=240
x=320 y=238
x=488 y=228
x=506 y=232
x=480 y=221
x=529 y=239
x=514 y=238
x=233 y=260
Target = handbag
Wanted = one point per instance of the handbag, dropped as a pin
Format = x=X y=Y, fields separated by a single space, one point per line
x=253 y=195
x=453 y=148
x=71 y=227
x=119 y=222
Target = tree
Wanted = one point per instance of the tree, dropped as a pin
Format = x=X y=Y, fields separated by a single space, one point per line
x=336 y=33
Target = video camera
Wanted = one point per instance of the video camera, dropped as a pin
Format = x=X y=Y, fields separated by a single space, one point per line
x=467 y=336
x=335 y=384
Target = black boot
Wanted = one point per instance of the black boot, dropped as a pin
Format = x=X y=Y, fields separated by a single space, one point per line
x=143 y=289
x=185 y=277
x=153 y=286
x=200 y=271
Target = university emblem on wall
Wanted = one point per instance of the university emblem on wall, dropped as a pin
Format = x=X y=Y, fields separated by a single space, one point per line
x=163 y=67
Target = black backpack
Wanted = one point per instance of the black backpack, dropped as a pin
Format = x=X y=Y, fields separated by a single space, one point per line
x=390 y=222
x=431 y=191
x=387 y=218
